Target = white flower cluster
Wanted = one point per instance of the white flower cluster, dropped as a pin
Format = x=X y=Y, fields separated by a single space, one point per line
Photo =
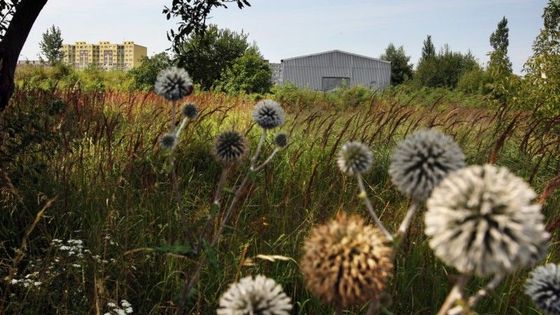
x=124 y=308
x=71 y=248
x=29 y=281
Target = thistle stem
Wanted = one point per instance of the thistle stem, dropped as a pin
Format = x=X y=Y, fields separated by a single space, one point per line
x=491 y=286
x=258 y=150
x=473 y=300
x=367 y=202
x=373 y=307
x=403 y=228
x=174 y=114
x=338 y=309
x=220 y=186
x=455 y=294
x=184 y=122
x=258 y=168
x=190 y=281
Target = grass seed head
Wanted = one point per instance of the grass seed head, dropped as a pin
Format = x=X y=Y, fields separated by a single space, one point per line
x=346 y=262
x=482 y=220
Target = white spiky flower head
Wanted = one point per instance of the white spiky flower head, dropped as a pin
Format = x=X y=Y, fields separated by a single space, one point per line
x=268 y=114
x=354 y=158
x=255 y=296
x=173 y=84
x=422 y=160
x=543 y=287
x=230 y=147
x=482 y=220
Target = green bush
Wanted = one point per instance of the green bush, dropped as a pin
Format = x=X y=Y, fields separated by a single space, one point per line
x=474 y=81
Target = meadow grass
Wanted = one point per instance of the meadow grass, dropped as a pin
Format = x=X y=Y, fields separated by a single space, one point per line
x=92 y=162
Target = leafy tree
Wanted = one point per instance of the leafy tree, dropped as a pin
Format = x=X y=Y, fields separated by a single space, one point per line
x=401 y=70
x=207 y=56
x=543 y=68
x=51 y=45
x=499 y=67
x=146 y=73
x=250 y=74
x=445 y=68
x=499 y=40
x=474 y=81
x=17 y=18
x=428 y=50
x=193 y=15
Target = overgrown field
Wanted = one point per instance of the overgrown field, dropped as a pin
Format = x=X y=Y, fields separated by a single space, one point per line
x=88 y=215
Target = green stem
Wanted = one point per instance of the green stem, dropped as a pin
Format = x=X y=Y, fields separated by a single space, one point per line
x=367 y=202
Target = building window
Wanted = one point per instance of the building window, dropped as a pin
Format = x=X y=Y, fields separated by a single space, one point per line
x=331 y=83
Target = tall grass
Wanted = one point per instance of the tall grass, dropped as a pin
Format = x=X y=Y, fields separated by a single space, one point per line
x=92 y=162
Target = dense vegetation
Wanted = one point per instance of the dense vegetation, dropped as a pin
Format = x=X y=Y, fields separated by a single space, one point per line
x=92 y=222
x=85 y=169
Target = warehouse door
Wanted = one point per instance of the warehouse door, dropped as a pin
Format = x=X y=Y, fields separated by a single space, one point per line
x=331 y=83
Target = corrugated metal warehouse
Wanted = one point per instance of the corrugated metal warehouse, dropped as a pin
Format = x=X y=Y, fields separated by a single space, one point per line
x=328 y=70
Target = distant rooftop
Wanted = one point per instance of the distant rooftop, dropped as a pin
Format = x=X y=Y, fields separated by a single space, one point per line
x=335 y=51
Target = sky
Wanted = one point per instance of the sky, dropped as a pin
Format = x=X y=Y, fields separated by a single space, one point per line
x=289 y=28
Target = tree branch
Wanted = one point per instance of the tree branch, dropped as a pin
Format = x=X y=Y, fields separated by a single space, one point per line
x=25 y=15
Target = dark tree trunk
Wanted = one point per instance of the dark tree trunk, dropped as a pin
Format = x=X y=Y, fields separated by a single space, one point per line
x=12 y=43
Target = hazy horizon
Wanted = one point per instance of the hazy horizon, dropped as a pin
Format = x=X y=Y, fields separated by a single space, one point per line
x=289 y=28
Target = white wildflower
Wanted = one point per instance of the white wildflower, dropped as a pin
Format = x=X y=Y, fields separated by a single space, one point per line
x=268 y=114
x=258 y=296
x=422 y=160
x=482 y=220
x=354 y=158
x=173 y=84
x=543 y=286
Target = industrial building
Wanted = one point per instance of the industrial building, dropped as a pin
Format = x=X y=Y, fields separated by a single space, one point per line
x=105 y=55
x=328 y=70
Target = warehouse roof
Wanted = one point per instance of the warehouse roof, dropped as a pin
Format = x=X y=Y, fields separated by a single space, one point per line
x=335 y=51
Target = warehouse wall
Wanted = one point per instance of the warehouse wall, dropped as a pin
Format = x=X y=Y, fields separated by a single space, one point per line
x=309 y=71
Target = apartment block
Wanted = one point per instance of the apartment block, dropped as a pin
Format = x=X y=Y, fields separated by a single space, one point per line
x=104 y=55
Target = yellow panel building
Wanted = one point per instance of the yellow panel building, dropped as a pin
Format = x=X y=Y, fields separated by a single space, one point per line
x=104 y=55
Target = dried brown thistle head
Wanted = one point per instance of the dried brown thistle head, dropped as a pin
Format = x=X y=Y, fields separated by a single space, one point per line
x=346 y=262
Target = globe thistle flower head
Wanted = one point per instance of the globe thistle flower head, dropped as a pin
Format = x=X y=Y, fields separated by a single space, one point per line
x=281 y=140
x=230 y=147
x=482 y=220
x=543 y=287
x=190 y=111
x=346 y=262
x=168 y=141
x=255 y=296
x=354 y=158
x=422 y=160
x=268 y=114
x=173 y=84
